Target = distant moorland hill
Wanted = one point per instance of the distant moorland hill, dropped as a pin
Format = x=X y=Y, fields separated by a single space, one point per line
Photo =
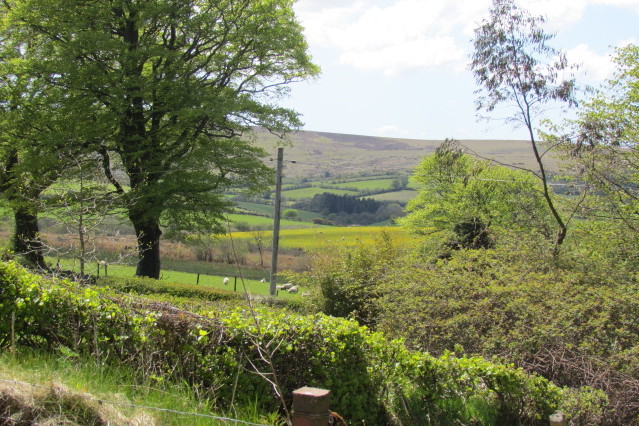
x=323 y=153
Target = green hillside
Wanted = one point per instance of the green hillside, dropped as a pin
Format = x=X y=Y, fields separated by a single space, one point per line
x=310 y=153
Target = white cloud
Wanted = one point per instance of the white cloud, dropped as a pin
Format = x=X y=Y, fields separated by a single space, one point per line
x=593 y=68
x=410 y=54
x=405 y=35
x=396 y=36
x=558 y=13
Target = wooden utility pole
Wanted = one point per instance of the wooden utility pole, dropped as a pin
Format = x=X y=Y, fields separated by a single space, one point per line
x=276 y=219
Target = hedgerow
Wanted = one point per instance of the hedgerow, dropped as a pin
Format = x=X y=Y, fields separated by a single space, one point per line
x=218 y=353
x=567 y=317
x=151 y=286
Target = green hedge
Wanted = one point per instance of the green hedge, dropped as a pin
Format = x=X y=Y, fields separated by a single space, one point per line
x=150 y=286
x=371 y=379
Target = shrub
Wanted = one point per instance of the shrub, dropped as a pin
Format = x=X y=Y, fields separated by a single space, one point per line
x=152 y=286
x=219 y=352
x=348 y=281
x=570 y=318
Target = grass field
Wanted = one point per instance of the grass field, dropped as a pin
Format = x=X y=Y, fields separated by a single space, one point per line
x=127 y=271
x=260 y=221
x=337 y=155
x=296 y=194
x=255 y=207
x=367 y=185
x=306 y=215
x=399 y=196
x=64 y=388
x=269 y=210
x=311 y=239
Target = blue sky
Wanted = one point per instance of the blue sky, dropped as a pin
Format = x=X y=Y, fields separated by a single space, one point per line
x=398 y=68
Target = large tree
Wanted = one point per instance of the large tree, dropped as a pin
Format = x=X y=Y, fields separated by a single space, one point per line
x=177 y=82
x=34 y=149
x=514 y=65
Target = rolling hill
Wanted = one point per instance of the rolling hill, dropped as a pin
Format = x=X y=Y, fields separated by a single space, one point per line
x=310 y=153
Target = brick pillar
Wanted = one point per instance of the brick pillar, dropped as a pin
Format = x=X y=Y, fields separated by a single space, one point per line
x=310 y=407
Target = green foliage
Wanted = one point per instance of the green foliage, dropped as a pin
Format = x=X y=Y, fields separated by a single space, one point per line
x=601 y=145
x=172 y=86
x=456 y=188
x=347 y=281
x=151 y=286
x=471 y=234
x=472 y=390
x=570 y=318
x=290 y=214
x=586 y=406
x=216 y=353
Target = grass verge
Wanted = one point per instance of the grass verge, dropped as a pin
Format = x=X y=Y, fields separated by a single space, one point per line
x=45 y=388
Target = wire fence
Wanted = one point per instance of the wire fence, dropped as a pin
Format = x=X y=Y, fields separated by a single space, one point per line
x=127 y=404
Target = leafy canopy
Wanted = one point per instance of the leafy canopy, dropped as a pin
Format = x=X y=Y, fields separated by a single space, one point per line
x=602 y=143
x=172 y=86
x=455 y=188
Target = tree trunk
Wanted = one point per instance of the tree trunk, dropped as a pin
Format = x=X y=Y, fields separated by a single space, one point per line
x=148 y=234
x=26 y=238
x=563 y=228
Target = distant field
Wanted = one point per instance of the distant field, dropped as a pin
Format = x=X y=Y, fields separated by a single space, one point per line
x=296 y=194
x=334 y=154
x=399 y=196
x=126 y=271
x=310 y=239
x=305 y=215
x=266 y=221
x=255 y=207
x=270 y=210
x=368 y=184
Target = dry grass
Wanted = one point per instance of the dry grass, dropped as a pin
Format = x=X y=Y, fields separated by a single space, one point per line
x=57 y=405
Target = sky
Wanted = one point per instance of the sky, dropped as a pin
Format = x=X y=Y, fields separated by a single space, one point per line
x=399 y=68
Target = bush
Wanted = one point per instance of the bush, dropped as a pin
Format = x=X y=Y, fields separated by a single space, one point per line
x=348 y=281
x=218 y=352
x=290 y=214
x=152 y=286
x=570 y=318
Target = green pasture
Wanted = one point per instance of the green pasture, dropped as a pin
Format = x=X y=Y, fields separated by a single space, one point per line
x=304 y=214
x=296 y=194
x=255 y=207
x=269 y=210
x=367 y=185
x=260 y=221
x=179 y=277
x=403 y=196
x=312 y=238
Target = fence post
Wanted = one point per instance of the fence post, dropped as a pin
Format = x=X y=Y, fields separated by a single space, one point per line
x=310 y=407
x=557 y=419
